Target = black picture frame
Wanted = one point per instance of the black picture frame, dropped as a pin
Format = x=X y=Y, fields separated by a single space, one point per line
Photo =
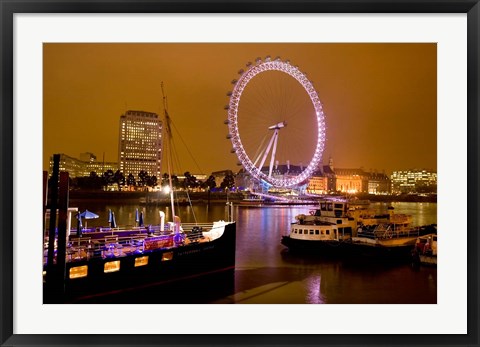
x=10 y=7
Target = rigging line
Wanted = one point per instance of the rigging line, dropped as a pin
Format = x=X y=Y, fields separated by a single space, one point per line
x=193 y=211
x=186 y=147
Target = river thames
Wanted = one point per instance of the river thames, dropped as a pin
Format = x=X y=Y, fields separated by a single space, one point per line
x=267 y=273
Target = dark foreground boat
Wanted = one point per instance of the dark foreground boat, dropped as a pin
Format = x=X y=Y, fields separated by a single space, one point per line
x=99 y=265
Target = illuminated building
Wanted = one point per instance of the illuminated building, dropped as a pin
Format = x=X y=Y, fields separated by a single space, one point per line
x=140 y=143
x=84 y=166
x=414 y=181
x=329 y=179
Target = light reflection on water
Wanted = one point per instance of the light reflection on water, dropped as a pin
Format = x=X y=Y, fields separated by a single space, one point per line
x=267 y=273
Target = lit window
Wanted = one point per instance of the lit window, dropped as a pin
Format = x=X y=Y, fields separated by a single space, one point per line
x=167 y=256
x=141 y=261
x=78 y=271
x=111 y=266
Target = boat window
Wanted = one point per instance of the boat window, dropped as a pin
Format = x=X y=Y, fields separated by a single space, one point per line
x=328 y=232
x=330 y=207
x=111 y=266
x=167 y=256
x=339 y=206
x=340 y=230
x=141 y=261
x=323 y=206
x=348 y=230
x=311 y=232
x=339 y=221
x=317 y=232
x=78 y=271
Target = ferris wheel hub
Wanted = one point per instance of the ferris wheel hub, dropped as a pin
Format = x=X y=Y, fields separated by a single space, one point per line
x=278 y=126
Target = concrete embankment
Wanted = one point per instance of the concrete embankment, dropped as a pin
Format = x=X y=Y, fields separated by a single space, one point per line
x=216 y=197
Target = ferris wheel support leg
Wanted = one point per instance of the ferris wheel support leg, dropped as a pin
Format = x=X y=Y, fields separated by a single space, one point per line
x=272 y=160
x=267 y=150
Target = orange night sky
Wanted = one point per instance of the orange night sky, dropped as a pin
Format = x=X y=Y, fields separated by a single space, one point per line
x=379 y=99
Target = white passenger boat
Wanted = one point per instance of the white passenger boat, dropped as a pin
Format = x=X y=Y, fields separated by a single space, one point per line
x=328 y=225
x=337 y=225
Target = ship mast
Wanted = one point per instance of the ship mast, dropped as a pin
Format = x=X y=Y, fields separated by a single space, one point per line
x=168 y=154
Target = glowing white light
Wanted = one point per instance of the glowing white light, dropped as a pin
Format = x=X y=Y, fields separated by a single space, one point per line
x=166 y=190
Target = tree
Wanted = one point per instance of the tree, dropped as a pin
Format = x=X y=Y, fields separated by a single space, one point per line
x=190 y=180
x=119 y=178
x=131 y=180
x=166 y=182
x=143 y=178
x=152 y=181
x=109 y=177
x=210 y=183
x=228 y=181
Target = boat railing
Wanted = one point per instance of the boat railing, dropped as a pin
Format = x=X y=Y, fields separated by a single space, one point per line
x=389 y=232
x=96 y=243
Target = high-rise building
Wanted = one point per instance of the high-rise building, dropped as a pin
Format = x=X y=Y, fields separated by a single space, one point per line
x=140 y=143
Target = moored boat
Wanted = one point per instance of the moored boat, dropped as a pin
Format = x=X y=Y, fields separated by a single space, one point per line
x=323 y=228
x=98 y=263
x=353 y=230
x=425 y=250
x=384 y=240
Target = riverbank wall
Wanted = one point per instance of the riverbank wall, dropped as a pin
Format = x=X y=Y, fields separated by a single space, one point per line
x=216 y=197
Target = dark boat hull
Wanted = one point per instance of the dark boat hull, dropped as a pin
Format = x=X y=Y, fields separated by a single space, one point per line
x=347 y=249
x=164 y=267
x=329 y=247
x=377 y=252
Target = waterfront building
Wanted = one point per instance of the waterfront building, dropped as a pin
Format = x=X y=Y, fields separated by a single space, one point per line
x=140 y=143
x=318 y=184
x=351 y=180
x=84 y=166
x=414 y=181
x=329 y=179
x=100 y=167
x=378 y=183
x=75 y=167
x=323 y=180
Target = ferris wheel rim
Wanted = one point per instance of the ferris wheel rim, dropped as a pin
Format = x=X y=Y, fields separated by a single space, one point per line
x=234 y=135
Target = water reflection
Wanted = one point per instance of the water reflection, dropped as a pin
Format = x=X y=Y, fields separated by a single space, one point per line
x=267 y=273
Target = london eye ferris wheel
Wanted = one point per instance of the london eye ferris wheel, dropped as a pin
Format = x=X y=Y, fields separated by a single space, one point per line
x=276 y=123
